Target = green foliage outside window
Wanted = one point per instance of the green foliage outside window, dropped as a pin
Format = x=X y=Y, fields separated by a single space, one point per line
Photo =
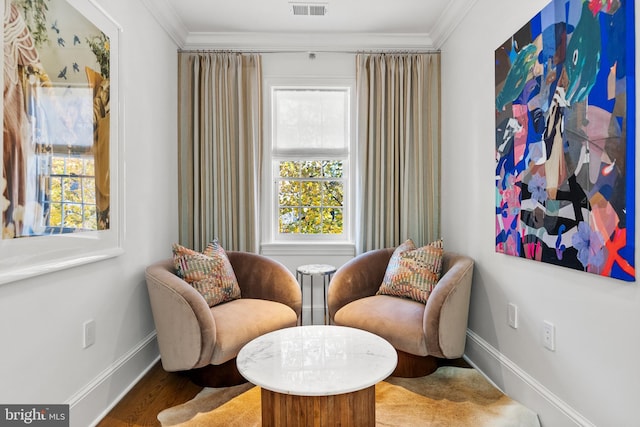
x=310 y=197
x=72 y=193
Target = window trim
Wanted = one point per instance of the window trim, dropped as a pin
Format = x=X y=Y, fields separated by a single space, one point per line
x=269 y=235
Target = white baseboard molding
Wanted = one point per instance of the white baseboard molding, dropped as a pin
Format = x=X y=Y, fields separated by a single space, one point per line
x=90 y=404
x=519 y=385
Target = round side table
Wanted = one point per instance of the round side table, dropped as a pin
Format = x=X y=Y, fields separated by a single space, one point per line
x=324 y=270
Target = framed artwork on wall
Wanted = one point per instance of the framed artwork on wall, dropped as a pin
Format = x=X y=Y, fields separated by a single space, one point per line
x=565 y=138
x=60 y=196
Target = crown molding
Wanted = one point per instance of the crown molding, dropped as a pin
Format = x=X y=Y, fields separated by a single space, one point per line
x=450 y=18
x=168 y=19
x=308 y=41
x=171 y=22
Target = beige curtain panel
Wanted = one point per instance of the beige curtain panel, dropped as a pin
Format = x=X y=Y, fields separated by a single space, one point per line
x=398 y=102
x=220 y=149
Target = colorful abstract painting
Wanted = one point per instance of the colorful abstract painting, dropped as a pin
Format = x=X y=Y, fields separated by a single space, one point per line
x=565 y=138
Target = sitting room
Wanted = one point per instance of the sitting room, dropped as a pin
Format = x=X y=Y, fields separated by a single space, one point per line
x=377 y=213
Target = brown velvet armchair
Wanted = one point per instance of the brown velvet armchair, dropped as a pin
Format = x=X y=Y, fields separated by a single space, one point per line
x=420 y=333
x=203 y=341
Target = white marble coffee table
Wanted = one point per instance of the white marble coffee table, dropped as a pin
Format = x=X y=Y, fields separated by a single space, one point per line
x=317 y=375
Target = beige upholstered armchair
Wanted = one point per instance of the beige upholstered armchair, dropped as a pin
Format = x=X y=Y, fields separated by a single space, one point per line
x=203 y=341
x=421 y=334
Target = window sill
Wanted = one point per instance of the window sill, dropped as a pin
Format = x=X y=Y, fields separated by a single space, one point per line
x=308 y=248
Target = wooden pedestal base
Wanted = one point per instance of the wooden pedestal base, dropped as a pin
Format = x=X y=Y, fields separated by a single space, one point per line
x=355 y=409
x=224 y=375
x=412 y=366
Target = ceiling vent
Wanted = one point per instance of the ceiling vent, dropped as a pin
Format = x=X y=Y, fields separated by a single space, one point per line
x=317 y=10
x=309 y=9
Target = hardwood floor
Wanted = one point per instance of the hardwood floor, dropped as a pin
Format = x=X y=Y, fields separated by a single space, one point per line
x=156 y=391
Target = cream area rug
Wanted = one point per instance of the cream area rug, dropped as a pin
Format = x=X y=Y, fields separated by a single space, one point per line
x=450 y=397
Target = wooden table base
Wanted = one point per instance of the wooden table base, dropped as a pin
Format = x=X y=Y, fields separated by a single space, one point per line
x=355 y=409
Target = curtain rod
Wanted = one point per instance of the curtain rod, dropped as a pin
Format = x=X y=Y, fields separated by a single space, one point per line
x=311 y=51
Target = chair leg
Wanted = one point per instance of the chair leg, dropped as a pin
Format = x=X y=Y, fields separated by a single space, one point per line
x=224 y=375
x=412 y=366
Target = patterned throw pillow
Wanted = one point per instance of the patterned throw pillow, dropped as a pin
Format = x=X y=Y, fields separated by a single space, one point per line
x=210 y=272
x=394 y=261
x=413 y=273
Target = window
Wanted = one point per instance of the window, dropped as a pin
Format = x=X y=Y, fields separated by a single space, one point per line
x=69 y=199
x=310 y=197
x=310 y=163
x=66 y=189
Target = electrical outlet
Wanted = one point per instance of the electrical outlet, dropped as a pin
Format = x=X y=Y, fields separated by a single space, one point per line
x=549 y=335
x=513 y=315
x=88 y=333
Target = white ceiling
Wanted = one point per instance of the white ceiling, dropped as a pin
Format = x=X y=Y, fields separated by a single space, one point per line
x=270 y=24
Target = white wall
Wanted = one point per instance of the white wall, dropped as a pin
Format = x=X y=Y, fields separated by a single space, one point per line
x=41 y=318
x=593 y=376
